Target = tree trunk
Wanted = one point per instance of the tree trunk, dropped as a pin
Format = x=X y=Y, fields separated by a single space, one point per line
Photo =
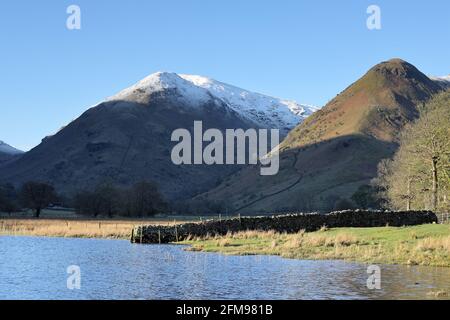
x=435 y=185
x=38 y=212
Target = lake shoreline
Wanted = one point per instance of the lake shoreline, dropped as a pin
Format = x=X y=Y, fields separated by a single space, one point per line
x=425 y=245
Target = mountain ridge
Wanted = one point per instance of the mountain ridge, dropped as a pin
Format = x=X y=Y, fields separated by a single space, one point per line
x=266 y=111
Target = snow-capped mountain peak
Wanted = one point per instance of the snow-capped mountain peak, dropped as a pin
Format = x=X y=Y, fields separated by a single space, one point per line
x=161 y=81
x=6 y=148
x=266 y=111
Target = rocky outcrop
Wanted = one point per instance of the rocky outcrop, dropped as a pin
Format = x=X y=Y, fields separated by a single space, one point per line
x=289 y=223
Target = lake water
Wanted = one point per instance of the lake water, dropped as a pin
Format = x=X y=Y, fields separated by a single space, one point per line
x=36 y=268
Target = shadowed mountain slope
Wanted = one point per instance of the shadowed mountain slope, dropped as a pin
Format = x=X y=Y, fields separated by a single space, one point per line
x=124 y=142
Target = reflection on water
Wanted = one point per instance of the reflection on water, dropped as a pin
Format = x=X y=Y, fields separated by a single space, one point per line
x=35 y=268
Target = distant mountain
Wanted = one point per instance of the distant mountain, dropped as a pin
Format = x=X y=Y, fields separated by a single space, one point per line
x=337 y=149
x=442 y=81
x=7 y=152
x=7 y=149
x=127 y=138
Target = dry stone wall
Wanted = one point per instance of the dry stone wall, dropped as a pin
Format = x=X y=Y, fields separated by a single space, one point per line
x=290 y=223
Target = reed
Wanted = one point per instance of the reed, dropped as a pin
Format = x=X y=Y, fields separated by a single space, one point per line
x=109 y=229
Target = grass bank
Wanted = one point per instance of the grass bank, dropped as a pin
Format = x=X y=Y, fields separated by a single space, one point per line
x=427 y=245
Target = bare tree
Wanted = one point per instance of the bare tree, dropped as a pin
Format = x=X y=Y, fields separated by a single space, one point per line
x=87 y=203
x=419 y=175
x=109 y=199
x=8 y=199
x=144 y=199
x=37 y=196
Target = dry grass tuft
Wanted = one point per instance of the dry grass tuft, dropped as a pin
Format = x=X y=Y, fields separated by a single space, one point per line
x=274 y=244
x=438 y=294
x=316 y=240
x=293 y=243
x=345 y=240
x=253 y=234
x=432 y=244
x=320 y=240
x=224 y=242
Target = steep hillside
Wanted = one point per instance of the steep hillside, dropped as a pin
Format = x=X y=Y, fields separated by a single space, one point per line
x=337 y=149
x=378 y=105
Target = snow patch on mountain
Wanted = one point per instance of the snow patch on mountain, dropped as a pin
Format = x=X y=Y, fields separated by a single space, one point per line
x=443 y=81
x=266 y=111
x=6 y=148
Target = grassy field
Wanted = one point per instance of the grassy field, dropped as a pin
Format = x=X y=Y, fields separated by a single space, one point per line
x=419 y=245
x=68 y=224
x=119 y=229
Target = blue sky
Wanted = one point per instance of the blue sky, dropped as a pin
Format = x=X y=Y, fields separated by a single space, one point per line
x=303 y=50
